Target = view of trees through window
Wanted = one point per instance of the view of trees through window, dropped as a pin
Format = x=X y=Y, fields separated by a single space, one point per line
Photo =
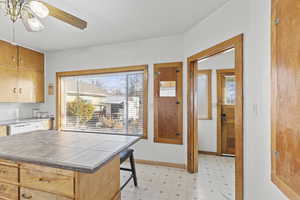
x=106 y=103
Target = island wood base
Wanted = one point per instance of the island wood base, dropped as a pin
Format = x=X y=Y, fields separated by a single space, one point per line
x=21 y=181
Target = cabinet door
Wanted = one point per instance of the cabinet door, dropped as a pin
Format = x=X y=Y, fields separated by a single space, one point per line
x=26 y=93
x=38 y=195
x=168 y=103
x=31 y=76
x=8 y=55
x=30 y=86
x=30 y=60
x=8 y=72
x=8 y=84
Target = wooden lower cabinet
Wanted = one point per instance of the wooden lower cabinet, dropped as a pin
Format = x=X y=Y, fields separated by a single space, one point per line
x=9 y=191
x=21 y=181
x=49 y=182
x=26 y=194
x=9 y=174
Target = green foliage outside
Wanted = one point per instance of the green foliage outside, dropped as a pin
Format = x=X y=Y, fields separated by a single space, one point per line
x=81 y=109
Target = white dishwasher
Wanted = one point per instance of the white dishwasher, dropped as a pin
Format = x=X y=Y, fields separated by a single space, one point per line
x=25 y=127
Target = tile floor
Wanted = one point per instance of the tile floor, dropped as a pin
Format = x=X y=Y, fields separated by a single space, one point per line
x=215 y=181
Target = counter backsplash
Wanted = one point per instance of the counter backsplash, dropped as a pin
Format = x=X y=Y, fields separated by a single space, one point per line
x=8 y=110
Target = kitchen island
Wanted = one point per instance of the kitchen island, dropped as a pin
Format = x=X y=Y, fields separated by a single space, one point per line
x=52 y=165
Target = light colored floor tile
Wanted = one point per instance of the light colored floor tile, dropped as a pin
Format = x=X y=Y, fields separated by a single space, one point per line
x=215 y=181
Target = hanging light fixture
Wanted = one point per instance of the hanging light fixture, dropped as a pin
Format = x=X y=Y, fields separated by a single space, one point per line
x=30 y=11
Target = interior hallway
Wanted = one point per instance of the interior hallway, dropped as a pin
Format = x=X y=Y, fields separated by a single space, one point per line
x=215 y=181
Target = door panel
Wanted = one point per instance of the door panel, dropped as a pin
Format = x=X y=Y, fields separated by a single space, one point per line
x=286 y=96
x=226 y=111
x=31 y=76
x=8 y=72
x=8 y=84
x=26 y=86
x=168 y=103
x=30 y=60
x=228 y=133
x=8 y=55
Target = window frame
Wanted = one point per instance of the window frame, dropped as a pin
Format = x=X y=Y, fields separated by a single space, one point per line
x=60 y=75
x=208 y=73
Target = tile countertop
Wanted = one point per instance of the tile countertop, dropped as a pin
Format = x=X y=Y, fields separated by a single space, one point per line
x=83 y=152
x=12 y=122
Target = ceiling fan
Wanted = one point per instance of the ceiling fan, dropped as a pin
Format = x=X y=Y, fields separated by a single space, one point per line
x=32 y=11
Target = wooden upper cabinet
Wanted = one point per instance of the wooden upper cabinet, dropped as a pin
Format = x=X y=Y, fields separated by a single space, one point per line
x=21 y=74
x=31 y=60
x=286 y=96
x=8 y=55
x=31 y=76
x=8 y=72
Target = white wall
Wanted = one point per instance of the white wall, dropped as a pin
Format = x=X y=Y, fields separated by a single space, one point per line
x=251 y=17
x=151 y=51
x=207 y=129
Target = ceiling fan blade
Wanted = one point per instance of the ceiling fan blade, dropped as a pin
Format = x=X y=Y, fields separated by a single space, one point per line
x=65 y=17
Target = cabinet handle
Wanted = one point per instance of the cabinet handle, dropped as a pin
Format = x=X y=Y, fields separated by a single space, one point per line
x=13 y=58
x=15 y=90
x=20 y=90
x=44 y=180
x=3 y=171
x=25 y=196
x=2 y=188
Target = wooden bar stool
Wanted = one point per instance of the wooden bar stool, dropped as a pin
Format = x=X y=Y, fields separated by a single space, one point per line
x=124 y=155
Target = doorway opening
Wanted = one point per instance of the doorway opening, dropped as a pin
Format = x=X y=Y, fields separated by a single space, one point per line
x=215 y=107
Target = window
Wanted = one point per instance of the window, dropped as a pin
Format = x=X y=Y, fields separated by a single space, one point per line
x=204 y=95
x=229 y=90
x=107 y=100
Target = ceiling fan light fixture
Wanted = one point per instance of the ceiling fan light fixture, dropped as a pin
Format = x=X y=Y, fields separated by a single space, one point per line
x=2 y=5
x=35 y=24
x=38 y=9
x=31 y=23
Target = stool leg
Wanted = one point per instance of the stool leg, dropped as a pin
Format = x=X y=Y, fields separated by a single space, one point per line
x=132 y=163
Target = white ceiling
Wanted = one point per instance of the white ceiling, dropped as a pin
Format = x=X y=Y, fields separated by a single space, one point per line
x=113 y=21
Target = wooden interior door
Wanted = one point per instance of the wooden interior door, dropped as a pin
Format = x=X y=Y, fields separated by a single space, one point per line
x=226 y=110
x=168 y=103
x=8 y=72
x=286 y=96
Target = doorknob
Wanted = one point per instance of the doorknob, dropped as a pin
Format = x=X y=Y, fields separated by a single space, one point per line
x=223 y=116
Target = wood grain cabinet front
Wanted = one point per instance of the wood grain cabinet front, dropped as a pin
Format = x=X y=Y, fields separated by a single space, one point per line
x=47 y=181
x=8 y=72
x=21 y=74
x=31 y=75
x=22 y=181
x=29 y=194
x=9 y=192
x=9 y=174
